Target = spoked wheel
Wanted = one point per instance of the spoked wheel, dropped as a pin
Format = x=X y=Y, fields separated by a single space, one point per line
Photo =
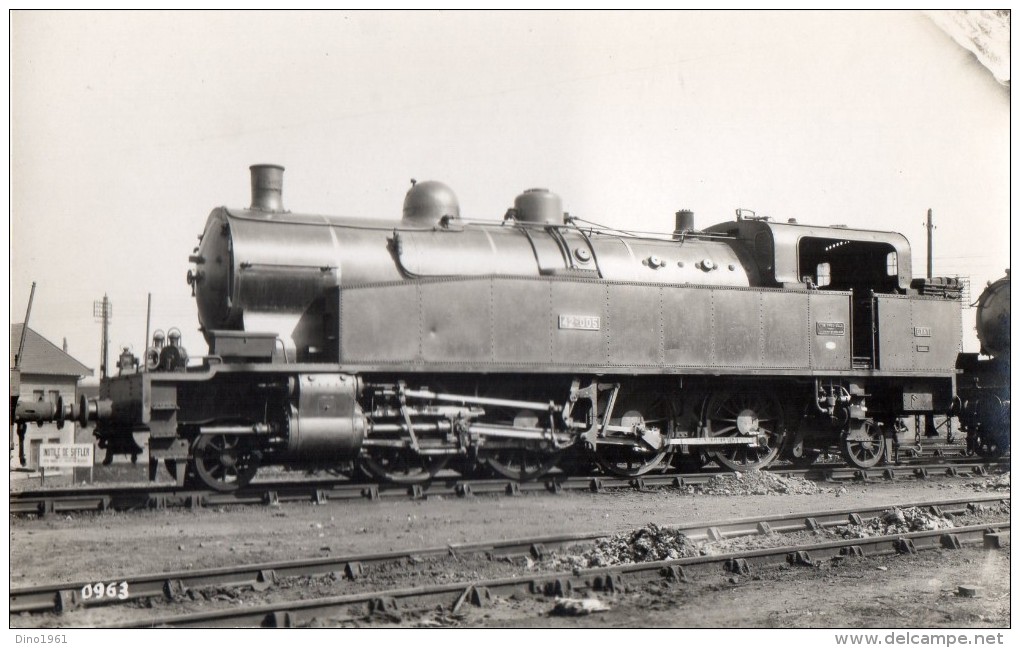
x=863 y=446
x=401 y=466
x=225 y=462
x=745 y=414
x=521 y=464
x=637 y=415
x=524 y=460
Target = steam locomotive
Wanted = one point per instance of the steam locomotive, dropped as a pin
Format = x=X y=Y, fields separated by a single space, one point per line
x=405 y=346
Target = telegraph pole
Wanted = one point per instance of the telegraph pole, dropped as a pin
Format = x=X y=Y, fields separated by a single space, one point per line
x=145 y=340
x=104 y=310
x=24 y=331
x=929 y=227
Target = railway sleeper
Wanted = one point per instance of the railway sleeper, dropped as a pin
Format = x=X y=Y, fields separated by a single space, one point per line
x=353 y=570
x=675 y=573
x=950 y=541
x=557 y=587
x=66 y=600
x=174 y=589
x=265 y=579
x=608 y=582
x=279 y=619
x=383 y=605
x=738 y=566
x=994 y=539
x=477 y=595
x=802 y=558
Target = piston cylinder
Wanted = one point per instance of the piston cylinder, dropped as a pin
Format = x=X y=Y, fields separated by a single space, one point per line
x=326 y=422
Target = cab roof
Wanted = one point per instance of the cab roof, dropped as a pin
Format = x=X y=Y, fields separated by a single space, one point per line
x=781 y=241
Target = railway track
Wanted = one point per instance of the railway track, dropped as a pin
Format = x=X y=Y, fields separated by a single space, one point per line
x=451 y=596
x=68 y=596
x=49 y=501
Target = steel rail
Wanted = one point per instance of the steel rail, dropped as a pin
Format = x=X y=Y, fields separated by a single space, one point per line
x=43 y=502
x=66 y=596
x=617 y=578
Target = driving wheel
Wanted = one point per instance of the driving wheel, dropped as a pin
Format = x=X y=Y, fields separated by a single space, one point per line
x=743 y=415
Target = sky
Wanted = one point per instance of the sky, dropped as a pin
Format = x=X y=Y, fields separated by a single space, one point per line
x=127 y=129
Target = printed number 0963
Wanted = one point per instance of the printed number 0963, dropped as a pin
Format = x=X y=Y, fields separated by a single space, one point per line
x=105 y=590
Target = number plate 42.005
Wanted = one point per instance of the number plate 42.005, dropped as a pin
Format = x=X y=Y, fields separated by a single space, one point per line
x=581 y=322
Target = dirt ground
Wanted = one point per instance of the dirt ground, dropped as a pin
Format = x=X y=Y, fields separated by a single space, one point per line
x=895 y=592
x=104 y=546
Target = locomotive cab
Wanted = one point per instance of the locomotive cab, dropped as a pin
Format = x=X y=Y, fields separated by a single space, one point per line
x=862 y=263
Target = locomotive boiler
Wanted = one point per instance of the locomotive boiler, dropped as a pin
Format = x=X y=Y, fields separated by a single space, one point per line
x=508 y=345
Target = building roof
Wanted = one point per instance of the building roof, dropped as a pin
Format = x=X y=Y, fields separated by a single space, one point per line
x=44 y=357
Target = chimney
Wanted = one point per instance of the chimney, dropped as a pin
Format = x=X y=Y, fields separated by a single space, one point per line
x=267 y=187
x=684 y=222
x=65 y=345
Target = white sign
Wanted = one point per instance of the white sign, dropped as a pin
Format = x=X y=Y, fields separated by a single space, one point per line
x=64 y=455
x=581 y=322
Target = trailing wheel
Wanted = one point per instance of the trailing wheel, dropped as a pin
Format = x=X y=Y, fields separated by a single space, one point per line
x=636 y=436
x=744 y=415
x=863 y=446
x=225 y=462
x=400 y=465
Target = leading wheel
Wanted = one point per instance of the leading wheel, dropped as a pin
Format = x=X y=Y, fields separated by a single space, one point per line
x=863 y=446
x=401 y=465
x=636 y=437
x=225 y=462
x=743 y=415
